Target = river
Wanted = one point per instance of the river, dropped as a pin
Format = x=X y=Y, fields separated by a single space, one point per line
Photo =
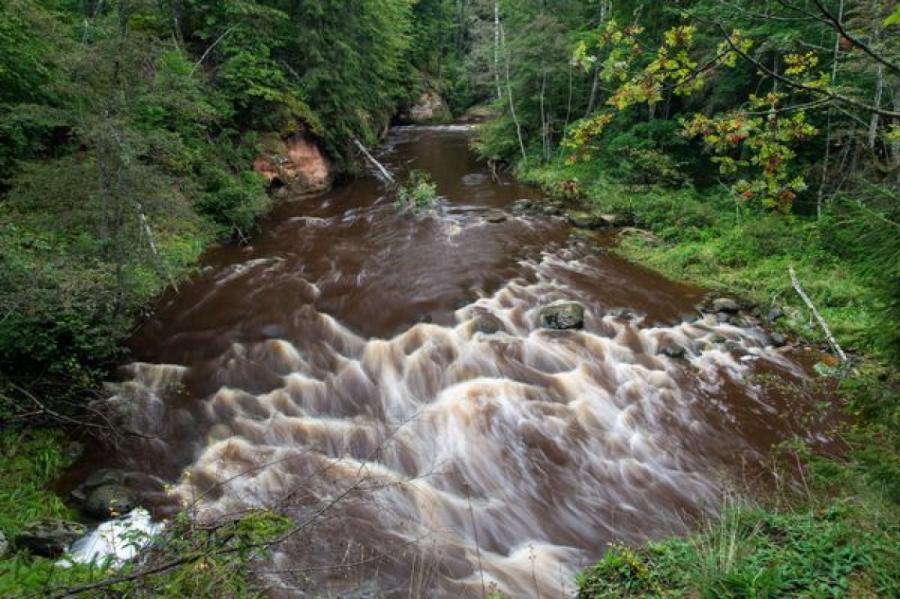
x=332 y=369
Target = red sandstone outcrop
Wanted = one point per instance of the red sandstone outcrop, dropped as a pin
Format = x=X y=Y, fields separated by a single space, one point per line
x=296 y=164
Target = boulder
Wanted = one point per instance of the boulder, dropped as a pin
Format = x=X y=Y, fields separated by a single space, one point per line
x=49 y=538
x=520 y=206
x=725 y=304
x=583 y=220
x=98 y=478
x=429 y=108
x=296 y=163
x=563 y=316
x=775 y=314
x=487 y=324
x=674 y=351
x=552 y=209
x=778 y=340
x=4 y=545
x=736 y=349
x=612 y=220
x=110 y=501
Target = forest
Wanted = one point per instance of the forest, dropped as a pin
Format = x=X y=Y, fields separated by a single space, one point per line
x=748 y=146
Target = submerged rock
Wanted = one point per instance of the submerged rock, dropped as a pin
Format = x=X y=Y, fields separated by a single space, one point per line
x=623 y=314
x=674 y=351
x=487 y=324
x=736 y=349
x=110 y=501
x=520 y=206
x=49 y=538
x=563 y=316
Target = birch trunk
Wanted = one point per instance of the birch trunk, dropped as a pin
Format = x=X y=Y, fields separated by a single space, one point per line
x=497 y=48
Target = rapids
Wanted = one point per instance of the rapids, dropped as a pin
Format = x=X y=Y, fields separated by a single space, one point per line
x=333 y=370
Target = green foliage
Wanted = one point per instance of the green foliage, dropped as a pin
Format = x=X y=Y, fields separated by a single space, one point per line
x=836 y=550
x=29 y=462
x=418 y=193
x=129 y=123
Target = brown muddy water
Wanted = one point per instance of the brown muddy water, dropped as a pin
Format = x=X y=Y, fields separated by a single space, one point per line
x=332 y=370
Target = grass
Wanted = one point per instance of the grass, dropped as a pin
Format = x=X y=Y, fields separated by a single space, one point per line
x=835 y=532
x=839 y=536
x=711 y=241
x=29 y=461
x=840 y=549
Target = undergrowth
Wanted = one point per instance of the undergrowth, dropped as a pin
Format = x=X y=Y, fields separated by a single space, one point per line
x=712 y=241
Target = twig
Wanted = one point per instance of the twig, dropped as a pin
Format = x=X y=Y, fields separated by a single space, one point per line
x=210 y=49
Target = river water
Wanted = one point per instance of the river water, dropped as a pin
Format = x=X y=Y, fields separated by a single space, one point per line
x=332 y=370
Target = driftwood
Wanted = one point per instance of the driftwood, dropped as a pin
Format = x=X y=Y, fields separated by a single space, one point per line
x=384 y=173
x=831 y=340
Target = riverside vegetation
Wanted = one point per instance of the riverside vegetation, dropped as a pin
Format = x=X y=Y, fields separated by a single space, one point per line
x=747 y=137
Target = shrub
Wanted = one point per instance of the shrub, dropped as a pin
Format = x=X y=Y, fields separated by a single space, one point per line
x=417 y=193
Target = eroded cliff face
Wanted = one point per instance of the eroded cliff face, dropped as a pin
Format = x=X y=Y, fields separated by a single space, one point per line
x=296 y=164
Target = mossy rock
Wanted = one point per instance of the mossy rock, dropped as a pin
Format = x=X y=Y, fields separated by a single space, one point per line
x=563 y=316
x=110 y=501
x=49 y=538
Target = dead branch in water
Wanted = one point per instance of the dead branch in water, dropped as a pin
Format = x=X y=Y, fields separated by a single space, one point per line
x=385 y=174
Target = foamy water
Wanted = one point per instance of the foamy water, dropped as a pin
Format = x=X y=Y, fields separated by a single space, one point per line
x=427 y=458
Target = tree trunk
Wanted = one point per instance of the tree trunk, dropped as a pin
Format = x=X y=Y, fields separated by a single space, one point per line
x=820 y=201
x=497 y=48
x=879 y=77
x=512 y=104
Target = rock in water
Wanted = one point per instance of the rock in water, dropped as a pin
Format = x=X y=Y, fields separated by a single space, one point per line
x=676 y=352
x=725 y=304
x=49 y=538
x=623 y=314
x=582 y=220
x=110 y=501
x=563 y=316
x=520 y=206
x=487 y=324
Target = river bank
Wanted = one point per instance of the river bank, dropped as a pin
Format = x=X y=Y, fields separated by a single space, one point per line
x=470 y=249
x=786 y=540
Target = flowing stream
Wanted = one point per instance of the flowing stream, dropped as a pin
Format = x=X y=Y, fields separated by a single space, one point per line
x=339 y=369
